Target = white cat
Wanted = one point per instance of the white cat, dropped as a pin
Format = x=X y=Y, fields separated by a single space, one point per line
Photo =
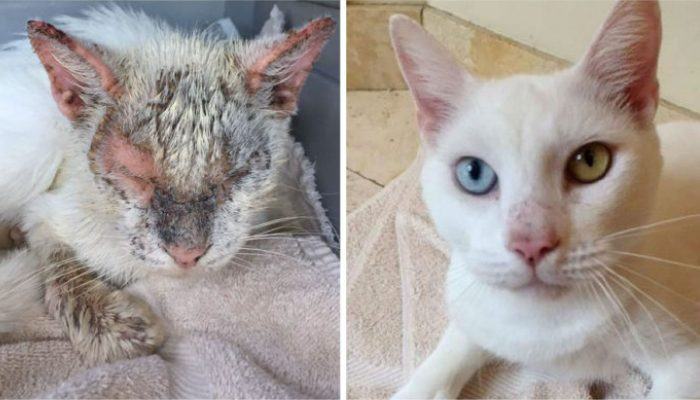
x=129 y=148
x=528 y=179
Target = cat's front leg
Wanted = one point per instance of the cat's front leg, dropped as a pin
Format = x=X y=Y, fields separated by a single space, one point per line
x=445 y=372
x=102 y=322
x=676 y=376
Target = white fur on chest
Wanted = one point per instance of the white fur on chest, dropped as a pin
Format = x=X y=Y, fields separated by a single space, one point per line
x=521 y=327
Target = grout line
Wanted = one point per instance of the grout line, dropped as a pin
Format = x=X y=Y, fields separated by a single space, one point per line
x=680 y=109
x=499 y=36
x=365 y=177
x=522 y=46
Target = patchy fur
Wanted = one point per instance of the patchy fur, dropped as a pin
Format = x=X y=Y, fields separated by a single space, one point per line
x=170 y=161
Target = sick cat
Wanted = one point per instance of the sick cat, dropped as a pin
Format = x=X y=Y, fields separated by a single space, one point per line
x=531 y=180
x=147 y=150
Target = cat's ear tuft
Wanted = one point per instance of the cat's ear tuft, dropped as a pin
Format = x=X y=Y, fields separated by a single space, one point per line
x=435 y=79
x=287 y=63
x=74 y=70
x=623 y=59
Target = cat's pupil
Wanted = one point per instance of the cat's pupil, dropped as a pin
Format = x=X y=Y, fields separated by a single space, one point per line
x=589 y=157
x=474 y=170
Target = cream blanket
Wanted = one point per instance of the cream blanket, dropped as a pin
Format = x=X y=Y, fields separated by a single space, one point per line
x=396 y=269
x=267 y=328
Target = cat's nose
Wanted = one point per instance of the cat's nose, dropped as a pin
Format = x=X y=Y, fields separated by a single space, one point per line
x=185 y=257
x=533 y=248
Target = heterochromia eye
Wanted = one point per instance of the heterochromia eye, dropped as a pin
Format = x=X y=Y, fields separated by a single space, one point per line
x=589 y=163
x=475 y=176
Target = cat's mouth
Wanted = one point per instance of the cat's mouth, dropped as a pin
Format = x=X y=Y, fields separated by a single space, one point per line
x=538 y=287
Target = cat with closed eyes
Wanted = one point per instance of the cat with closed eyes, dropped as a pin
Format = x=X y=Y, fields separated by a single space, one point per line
x=132 y=148
x=530 y=180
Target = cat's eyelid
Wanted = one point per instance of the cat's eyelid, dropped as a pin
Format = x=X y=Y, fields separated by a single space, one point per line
x=123 y=171
x=236 y=175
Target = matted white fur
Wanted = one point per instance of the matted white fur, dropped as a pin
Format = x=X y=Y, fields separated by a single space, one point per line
x=47 y=184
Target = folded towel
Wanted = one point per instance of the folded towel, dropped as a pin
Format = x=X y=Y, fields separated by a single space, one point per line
x=264 y=328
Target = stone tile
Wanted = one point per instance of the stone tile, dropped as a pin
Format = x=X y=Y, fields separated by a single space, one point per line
x=370 y=58
x=484 y=53
x=668 y=113
x=358 y=190
x=382 y=137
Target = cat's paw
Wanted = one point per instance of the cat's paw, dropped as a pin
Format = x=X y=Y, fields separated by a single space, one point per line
x=17 y=237
x=113 y=327
x=425 y=389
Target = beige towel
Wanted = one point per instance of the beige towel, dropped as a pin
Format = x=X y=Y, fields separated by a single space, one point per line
x=267 y=328
x=396 y=269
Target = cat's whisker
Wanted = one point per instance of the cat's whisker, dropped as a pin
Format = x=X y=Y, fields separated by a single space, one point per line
x=631 y=293
x=622 y=310
x=82 y=274
x=284 y=219
x=656 y=302
x=592 y=288
x=236 y=260
x=459 y=276
x=286 y=237
x=650 y=225
x=264 y=252
x=657 y=284
x=653 y=258
x=468 y=289
x=646 y=310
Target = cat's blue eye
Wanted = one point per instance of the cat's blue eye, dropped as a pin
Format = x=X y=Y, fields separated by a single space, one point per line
x=475 y=176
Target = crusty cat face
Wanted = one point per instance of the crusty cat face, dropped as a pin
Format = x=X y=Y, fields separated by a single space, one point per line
x=186 y=132
x=525 y=176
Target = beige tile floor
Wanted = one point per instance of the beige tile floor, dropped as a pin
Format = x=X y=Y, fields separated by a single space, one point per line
x=382 y=141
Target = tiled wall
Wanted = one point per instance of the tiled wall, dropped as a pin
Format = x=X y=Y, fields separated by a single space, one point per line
x=370 y=59
x=566 y=28
x=371 y=64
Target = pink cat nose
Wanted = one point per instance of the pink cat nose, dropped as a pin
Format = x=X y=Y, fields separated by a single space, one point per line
x=533 y=249
x=185 y=257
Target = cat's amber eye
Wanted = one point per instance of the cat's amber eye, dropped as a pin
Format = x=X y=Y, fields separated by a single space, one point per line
x=589 y=163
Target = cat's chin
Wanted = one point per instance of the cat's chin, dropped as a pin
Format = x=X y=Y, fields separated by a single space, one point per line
x=540 y=288
x=537 y=287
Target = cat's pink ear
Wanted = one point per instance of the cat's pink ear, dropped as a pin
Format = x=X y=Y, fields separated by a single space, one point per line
x=74 y=70
x=287 y=64
x=623 y=58
x=434 y=78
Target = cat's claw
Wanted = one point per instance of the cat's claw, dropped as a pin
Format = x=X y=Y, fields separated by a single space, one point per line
x=17 y=237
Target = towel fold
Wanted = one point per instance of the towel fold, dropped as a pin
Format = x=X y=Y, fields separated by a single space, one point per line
x=264 y=328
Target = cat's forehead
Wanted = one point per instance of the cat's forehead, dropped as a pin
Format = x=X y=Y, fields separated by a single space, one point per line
x=538 y=110
x=193 y=120
x=521 y=100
